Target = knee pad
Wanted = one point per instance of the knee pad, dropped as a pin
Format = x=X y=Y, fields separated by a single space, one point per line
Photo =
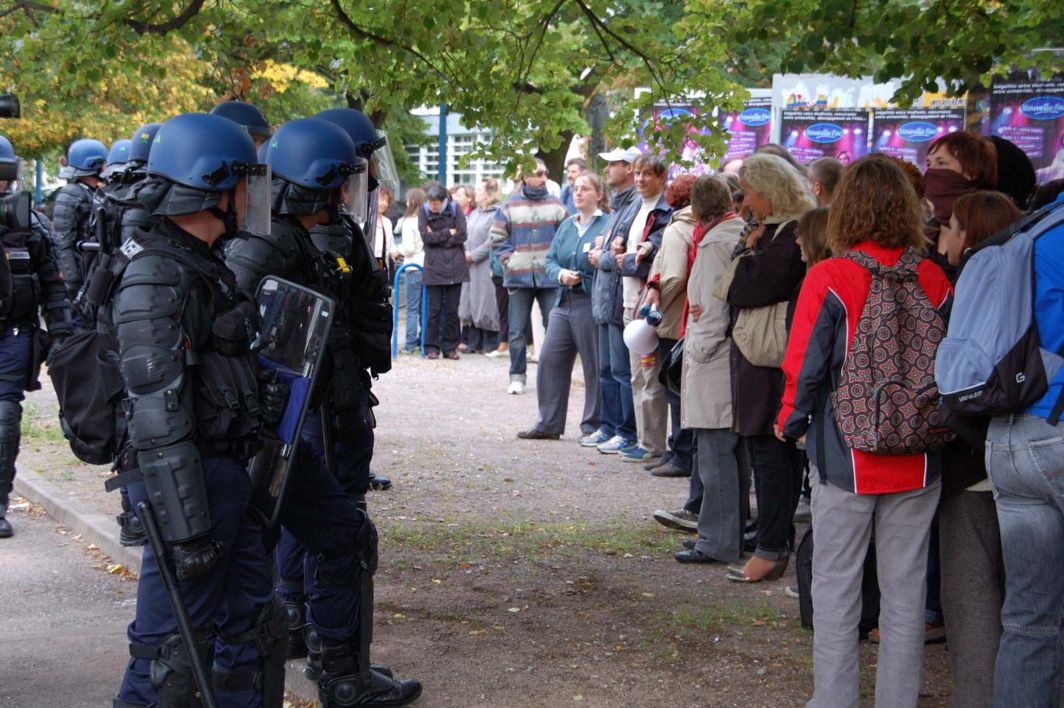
x=171 y=670
x=270 y=635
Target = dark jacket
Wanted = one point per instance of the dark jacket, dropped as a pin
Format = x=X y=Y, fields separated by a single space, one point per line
x=445 y=262
x=606 y=306
x=768 y=276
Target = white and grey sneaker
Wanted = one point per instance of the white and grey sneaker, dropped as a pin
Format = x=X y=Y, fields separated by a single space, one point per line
x=516 y=388
x=612 y=446
x=594 y=439
x=681 y=519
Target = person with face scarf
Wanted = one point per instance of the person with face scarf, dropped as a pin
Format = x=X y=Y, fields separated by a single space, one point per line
x=957 y=164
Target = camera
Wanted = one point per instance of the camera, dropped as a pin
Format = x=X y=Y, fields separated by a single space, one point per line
x=15 y=211
x=9 y=106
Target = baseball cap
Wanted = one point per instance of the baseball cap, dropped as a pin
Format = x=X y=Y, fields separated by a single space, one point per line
x=621 y=154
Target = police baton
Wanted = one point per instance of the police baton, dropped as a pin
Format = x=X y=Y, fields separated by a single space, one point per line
x=177 y=604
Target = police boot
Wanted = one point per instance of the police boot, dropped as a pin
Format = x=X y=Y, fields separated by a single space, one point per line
x=342 y=686
x=10 y=426
x=312 y=671
x=379 y=483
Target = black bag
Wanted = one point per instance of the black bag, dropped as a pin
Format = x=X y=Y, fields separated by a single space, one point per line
x=869 y=586
x=671 y=374
x=90 y=389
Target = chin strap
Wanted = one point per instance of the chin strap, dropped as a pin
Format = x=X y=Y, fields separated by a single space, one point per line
x=227 y=217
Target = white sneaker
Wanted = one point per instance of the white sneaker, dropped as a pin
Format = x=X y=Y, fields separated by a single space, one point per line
x=612 y=446
x=495 y=354
x=594 y=439
x=516 y=388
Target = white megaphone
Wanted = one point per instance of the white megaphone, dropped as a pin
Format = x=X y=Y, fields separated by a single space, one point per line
x=641 y=335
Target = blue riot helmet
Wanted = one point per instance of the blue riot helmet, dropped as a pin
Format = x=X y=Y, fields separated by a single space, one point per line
x=315 y=166
x=140 y=145
x=247 y=115
x=86 y=158
x=371 y=144
x=10 y=165
x=117 y=158
x=196 y=159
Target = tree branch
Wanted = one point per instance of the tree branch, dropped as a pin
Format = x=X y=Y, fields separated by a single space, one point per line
x=364 y=33
x=175 y=23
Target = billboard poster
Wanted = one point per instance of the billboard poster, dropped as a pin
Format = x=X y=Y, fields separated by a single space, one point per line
x=1031 y=115
x=909 y=134
x=748 y=129
x=810 y=134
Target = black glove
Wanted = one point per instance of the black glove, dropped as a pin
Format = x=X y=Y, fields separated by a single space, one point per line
x=195 y=557
x=274 y=401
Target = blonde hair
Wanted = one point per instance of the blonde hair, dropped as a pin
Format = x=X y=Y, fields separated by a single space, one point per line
x=776 y=180
x=491 y=188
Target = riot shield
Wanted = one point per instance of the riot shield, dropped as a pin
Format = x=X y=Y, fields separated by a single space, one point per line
x=295 y=328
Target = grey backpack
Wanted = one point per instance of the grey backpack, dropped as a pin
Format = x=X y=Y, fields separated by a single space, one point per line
x=992 y=361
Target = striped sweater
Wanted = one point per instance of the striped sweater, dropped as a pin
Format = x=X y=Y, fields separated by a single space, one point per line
x=522 y=233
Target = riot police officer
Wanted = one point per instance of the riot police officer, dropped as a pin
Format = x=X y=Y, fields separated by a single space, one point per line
x=371 y=308
x=124 y=216
x=314 y=165
x=193 y=423
x=85 y=161
x=36 y=288
x=117 y=159
x=247 y=115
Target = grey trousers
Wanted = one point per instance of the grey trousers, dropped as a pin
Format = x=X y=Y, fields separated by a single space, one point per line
x=973 y=589
x=570 y=331
x=648 y=396
x=720 y=520
x=842 y=528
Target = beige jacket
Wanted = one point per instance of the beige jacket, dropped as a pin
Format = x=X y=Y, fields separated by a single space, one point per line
x=671 y=265
x=705 y=389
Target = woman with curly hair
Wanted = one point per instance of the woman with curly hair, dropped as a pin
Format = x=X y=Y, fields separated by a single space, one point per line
x=768 y=270
x=874 y=221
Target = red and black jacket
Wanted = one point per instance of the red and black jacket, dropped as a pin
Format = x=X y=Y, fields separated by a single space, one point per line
x=825 y=319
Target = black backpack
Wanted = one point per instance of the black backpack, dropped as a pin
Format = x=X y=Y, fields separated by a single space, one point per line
x=85 y=367
x=869 y=586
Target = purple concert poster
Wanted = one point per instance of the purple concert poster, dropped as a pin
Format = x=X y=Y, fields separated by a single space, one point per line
x=748 y=129
x=907 y=134
x=1031 y=114
x=809 y=135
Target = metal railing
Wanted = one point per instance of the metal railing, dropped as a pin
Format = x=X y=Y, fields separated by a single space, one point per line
x=396 y=304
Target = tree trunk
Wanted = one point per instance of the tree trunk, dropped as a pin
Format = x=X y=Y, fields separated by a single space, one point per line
x=555 y=159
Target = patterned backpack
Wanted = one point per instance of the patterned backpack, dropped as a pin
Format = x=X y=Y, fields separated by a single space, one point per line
x=887 y=399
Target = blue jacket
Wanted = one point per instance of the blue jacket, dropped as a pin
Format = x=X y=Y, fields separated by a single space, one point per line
x=1049 y=306
x=567 y=198
x=569 y=251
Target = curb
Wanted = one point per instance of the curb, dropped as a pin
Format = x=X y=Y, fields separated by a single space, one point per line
x=94 y=527
x=101 y=530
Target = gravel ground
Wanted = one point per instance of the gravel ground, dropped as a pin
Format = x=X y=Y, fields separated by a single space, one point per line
x=521 y=573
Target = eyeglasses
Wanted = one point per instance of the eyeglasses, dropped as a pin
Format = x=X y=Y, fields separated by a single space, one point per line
x=540 y=173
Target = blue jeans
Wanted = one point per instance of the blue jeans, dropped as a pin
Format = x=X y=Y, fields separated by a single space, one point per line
x=615 y=383
x=1025 y=460
x=521 y=300
x=413 y=308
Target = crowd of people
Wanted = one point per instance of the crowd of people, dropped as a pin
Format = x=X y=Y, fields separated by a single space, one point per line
x=778 y=295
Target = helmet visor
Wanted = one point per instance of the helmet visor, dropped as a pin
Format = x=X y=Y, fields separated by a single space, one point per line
x=355 y=201
x=257 y=198
x=384 y=168
x=11 y=171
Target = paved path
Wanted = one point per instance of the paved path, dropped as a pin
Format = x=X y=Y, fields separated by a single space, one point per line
x=62 y=620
